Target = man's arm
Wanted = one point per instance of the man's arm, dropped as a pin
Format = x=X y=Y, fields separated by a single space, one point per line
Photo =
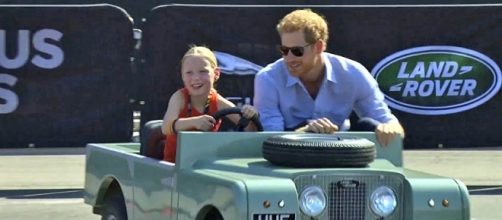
x=266 y=101
x=371 y=104
x=389 y=126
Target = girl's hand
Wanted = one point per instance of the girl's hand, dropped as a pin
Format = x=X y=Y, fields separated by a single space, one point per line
x=248 y=111
x=203 y=122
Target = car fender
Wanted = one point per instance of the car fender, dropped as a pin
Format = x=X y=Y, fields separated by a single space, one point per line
x=436 y=198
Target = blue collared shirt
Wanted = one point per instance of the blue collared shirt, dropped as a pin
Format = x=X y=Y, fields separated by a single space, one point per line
x=284 y=102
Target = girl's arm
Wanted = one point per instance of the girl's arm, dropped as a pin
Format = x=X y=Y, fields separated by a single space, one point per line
x=172 y=123
x=173 y=110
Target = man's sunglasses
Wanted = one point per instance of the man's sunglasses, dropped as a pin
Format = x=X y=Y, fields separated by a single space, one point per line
x=297 y=51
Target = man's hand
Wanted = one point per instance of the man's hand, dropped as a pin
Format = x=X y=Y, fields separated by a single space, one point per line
x=320 y=125
x=386 y=132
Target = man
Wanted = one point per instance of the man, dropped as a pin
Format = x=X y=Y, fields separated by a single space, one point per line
x=311 y=90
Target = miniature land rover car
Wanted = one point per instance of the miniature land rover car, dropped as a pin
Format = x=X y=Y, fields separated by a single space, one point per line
x=268 y=176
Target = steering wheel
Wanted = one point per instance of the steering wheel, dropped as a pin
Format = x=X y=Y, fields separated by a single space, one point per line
x=243 y=122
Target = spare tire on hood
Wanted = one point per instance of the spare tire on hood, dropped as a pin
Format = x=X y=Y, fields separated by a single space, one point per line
x=318 y=150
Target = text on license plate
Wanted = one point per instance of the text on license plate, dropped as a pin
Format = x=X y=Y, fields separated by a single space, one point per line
x=273 y=216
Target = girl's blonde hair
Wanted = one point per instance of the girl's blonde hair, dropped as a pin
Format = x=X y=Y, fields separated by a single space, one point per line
x=313 y=25
x=203 y=52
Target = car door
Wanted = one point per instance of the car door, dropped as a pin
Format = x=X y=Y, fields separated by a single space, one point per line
x=153 y=190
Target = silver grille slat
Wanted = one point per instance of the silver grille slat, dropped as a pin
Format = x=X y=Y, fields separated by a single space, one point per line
x=347 y=203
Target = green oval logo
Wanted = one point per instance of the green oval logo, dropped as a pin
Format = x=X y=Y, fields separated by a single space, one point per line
x=437 y=80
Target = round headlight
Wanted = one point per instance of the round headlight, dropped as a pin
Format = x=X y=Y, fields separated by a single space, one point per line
x=312 y=201
x=383 y=201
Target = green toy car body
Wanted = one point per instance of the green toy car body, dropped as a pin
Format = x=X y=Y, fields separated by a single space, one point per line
x=224 y=176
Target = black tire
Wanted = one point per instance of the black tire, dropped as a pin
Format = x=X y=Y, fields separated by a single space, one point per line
x=114 y=208
x=214 y=215
x=318 y=150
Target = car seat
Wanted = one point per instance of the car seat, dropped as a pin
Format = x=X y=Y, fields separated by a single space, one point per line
x=152 y=140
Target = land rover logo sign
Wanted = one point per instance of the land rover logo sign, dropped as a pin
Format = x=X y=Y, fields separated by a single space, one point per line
x=437 y=80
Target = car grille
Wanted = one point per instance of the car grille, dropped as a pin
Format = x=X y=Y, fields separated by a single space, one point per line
x=349 y=195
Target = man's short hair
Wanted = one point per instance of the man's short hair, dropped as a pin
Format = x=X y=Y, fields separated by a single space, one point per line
x=314 y=26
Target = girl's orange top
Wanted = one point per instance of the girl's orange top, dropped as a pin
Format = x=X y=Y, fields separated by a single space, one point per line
x=188 y=111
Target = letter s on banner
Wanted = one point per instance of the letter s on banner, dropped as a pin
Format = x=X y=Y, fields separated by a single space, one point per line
x=11 y=100
x=42 y=46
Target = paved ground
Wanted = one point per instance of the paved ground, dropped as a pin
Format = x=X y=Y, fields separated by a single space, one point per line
x=46 y=184
x=474 y=167
x=480 y=170
x=43 y=184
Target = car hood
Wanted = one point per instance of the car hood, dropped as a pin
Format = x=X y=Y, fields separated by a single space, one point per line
x=260 y=168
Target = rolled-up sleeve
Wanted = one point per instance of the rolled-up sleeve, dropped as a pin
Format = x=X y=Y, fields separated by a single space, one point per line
x=266 y=100
x=370 y=102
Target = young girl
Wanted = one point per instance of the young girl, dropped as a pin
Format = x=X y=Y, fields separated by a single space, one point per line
x=191 y=107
